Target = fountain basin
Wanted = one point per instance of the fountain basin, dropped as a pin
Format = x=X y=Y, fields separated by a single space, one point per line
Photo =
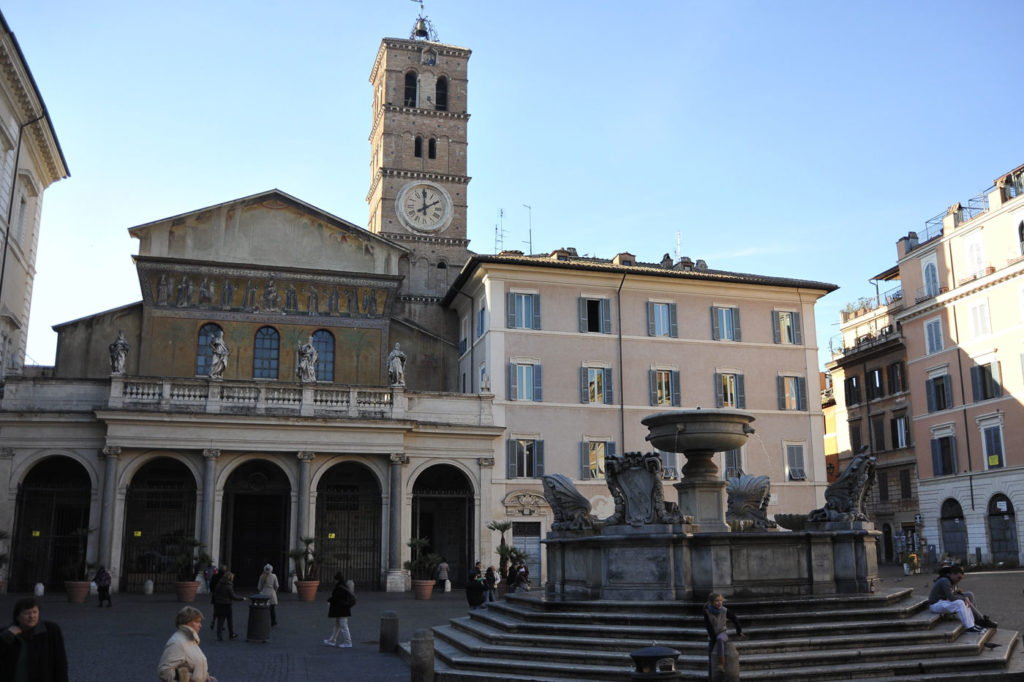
x=698 y=430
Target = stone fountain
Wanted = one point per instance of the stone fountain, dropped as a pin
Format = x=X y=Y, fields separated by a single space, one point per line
x=650 y=549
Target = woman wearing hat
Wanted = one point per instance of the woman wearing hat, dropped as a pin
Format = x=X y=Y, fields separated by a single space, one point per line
x=269 y=586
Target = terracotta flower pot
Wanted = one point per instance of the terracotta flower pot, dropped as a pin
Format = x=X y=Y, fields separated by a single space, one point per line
x=78 y=590
x=186 y=590
x=422 y=589
x=306 y=589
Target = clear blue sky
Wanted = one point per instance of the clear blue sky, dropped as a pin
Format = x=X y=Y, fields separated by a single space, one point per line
x=796 y=139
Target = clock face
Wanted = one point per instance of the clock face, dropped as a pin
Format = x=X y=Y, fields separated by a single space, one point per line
x=424 y=206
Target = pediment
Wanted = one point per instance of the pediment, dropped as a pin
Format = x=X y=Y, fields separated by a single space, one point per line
x=271 y=229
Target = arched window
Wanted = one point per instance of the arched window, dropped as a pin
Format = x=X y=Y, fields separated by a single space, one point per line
x=441 y=94
x=265 y=353
x=204 y=355
x=323 y=341
x=432 y=148
x=417 y=147
x=410 y=89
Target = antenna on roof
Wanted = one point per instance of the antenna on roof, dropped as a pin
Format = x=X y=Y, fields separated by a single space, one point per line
x=530 y=233
x=499 y=232
x=679 y=248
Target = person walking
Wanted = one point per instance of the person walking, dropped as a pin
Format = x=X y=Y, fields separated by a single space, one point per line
x=214 y=579
x=182 y=658
x=223 y=596
x=340 y=602
x=442 y=575
x=102 y=580
x=269 y=585
x=32 y=649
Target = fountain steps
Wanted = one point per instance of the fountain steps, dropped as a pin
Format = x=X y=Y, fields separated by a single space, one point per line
x=855 y=637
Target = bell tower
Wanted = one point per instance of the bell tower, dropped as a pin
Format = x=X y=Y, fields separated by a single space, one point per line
x=418 y=182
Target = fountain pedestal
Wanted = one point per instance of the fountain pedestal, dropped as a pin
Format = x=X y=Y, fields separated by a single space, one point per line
x=705 y=502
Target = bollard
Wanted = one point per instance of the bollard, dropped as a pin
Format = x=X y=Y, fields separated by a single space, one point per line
x=732 y=666
x=421 y=667
x=40 y=589
x=388 y=632
x=147 y=587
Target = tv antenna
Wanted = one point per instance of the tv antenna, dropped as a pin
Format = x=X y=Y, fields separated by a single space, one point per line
x=499 y=232
x=530 y=233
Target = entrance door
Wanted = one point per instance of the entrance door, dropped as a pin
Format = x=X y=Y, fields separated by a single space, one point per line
x=255 y=523
x=53 y=503
x=954 y=531
x=348 y=512
x=1002 y=529
x=442 y=510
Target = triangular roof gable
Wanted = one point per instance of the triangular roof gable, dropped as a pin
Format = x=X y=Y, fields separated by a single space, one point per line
x=273 y=229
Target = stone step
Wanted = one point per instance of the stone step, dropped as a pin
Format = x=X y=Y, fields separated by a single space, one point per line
x=453 y=665
x=515 y=619
x=787 y=653
x=773 y=641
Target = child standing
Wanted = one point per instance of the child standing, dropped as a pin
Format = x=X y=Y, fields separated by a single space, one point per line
x=715 y=617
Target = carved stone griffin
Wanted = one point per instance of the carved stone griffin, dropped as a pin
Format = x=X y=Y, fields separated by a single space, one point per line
x=844 y=499
x=748 y=499
x=571 y=509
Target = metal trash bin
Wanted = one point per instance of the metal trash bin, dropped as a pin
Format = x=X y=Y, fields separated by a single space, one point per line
x=655 y=663
x=259 y=619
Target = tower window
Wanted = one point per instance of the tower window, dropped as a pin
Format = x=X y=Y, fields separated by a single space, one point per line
x=441 y=94
x=417 y=148
x=410 y=89
x=432 y=148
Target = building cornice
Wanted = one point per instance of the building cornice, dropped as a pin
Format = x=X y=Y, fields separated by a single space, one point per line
x=388 y=108
x=963 y=291
x=413 y=175
x=410 y=45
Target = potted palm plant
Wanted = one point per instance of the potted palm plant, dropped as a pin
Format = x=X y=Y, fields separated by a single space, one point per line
x=503 y=550
x=76 y=583
x=188 y=562
x=422 y=567
x=307 y=568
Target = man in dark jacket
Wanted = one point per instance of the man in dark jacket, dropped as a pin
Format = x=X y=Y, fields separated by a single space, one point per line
x=32 y=649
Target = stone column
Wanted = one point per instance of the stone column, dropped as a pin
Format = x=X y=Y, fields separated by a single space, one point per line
x=210 y=457
x=398 y=579
x=305 y=457
x=111 y=454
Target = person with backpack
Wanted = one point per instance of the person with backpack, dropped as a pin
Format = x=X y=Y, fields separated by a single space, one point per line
x=341 y=601
x=102 y=580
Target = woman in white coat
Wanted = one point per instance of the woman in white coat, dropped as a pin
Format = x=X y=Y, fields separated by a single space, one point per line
x=269 y=586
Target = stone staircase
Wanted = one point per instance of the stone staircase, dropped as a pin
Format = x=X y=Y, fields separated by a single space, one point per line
x=890 y=634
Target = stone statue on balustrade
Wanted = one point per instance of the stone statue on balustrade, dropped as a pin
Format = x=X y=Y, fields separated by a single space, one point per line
x=307 y=361
x=219 y=356
x=748 y=500
x=570 y=508
x=396 y=366
x=634 y=479
x=119 y=353
x=844 y=499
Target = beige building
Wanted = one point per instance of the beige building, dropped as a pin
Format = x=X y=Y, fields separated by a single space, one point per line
x=873 y=411
x=963 y=326
x=288 y=374
x=577 y=350
x=30 y=161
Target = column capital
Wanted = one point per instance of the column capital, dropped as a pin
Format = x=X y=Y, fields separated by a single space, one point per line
x=399 y=458
x=112 y=451
x=306 y=455
x=211 y=453
x=485 y=461
x=6 y=453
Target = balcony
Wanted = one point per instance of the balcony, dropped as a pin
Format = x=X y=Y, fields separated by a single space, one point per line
x=245 y=398
x=924 y=293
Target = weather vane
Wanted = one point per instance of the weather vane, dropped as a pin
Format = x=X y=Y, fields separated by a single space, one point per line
x=423 y=29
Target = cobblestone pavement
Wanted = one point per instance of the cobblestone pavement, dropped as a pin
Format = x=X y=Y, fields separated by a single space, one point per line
x=125 y=642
